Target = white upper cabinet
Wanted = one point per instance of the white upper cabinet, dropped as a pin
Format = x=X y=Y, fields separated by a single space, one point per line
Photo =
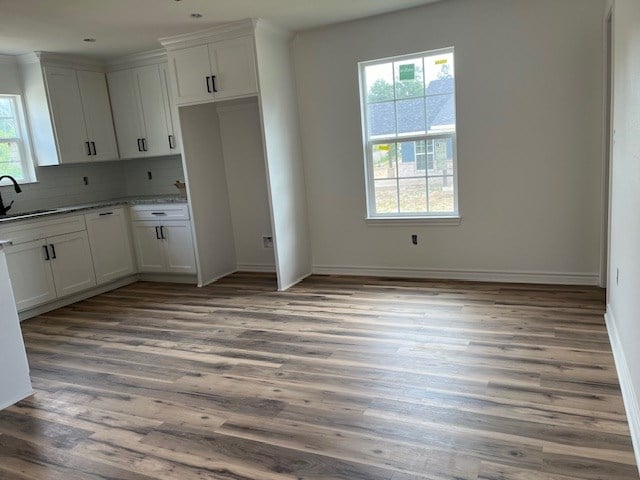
x=234 y=68
x=97 y=115
x=140 y=101
x=81 y=116
x=67 y=115
x=213 y=71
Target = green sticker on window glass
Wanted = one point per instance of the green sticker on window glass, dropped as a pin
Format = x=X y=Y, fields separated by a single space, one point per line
x=408 y=71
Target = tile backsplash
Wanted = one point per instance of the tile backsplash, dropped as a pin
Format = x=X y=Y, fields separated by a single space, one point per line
x=64 y=185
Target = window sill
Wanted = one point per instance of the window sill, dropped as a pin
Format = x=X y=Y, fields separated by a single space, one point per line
x=413 y=221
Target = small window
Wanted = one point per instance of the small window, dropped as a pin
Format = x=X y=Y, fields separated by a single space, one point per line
x=15 y=154
x=409 y=130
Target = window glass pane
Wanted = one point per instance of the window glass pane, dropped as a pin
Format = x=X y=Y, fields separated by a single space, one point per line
x=386 y=196
x=6 y=107
x=384 y=161
x=413 y=195
x=441 y=160
x=8 y=128
x=411 y=159
x=439 y=74
x=441 y=194
x=10 y=163
x=441 y=113
x=411 y=116
x=382 y=119
x=409 y=78
x=379 y=82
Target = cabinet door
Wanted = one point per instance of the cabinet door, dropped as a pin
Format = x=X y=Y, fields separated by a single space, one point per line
x=30 y=273
x=67 y=114
x=234 y=66
x=171 y=113
x=110 y=245
x=191 y=68
x=127 y=112
x=71 y=263
x=97 y=115
x=149 y=84
x=178 y=244
x=149 y=247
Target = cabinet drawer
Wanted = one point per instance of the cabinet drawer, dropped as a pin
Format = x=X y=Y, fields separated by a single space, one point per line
x=29 y=231
x=179 y=211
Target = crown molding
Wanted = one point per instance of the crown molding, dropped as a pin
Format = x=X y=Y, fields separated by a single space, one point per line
x=140 y=59
x=218 y=32
x=61 y=60
x=8 y=59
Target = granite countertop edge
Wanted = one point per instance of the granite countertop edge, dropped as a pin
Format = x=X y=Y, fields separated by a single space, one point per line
x=137 y=200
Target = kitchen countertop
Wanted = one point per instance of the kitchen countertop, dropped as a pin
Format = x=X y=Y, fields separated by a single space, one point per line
x=137 y=200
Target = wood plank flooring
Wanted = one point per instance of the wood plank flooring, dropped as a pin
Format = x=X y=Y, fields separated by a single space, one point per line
x=339 y=378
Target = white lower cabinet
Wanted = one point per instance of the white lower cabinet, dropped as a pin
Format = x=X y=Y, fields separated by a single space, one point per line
x=71 y=263
x=44 y=270
x=30 y=273
x=110 y=245
x=164 y=246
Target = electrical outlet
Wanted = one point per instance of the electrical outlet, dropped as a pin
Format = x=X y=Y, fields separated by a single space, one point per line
x=267 y=241
x=85 y=180
x=149 y=176
x=414 y=239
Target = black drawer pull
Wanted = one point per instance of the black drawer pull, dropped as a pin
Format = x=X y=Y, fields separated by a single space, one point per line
x=105 y=214
x=158 y=213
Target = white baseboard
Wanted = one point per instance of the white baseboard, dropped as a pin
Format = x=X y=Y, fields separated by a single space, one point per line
x=215 y=279
x=556 y=278
x=284 y=288
x=256 y=267
x=631 y=400
x=168 y=278
x=63 y=302
x=15 y=400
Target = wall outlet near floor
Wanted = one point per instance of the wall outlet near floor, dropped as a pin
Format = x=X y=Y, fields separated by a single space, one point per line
x=267 y=241
x=414 y=239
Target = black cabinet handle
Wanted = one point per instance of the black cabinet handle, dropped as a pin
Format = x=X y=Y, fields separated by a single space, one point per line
x=105 y=214
x=93 y=144
x=53 y=250
x=208 y=85
x=162 y=233
x=144 y=144
x=213 y=83
x=172 y=143
x=139 y=145
x=88 y=145
x=46 y=253
x=158 y=213
x=158 y=233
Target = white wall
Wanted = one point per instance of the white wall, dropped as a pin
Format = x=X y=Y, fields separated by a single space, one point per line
x=284 y=166
x=243 y=152
x=529 y=84
x=14 y=369
x=624 y=301
x=207 y=186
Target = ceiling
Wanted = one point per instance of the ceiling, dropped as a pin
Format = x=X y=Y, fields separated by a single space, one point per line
x=121 y=27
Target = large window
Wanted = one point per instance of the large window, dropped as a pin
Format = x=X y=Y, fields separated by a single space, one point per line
x=15 y=156
x=409 y=128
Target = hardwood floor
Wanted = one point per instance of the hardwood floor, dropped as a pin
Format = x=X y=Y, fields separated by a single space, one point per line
x=339 y=378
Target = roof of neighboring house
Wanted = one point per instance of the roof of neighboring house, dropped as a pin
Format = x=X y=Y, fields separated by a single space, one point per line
x=439 y=111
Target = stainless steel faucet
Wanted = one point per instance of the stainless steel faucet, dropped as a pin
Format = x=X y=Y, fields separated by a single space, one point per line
x=3 y=209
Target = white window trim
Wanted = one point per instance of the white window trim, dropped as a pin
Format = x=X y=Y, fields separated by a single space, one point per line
x=397 y=218
x=23 y=141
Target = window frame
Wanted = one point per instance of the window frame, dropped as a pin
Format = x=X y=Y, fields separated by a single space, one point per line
x=22 y=140
x=368 y=143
